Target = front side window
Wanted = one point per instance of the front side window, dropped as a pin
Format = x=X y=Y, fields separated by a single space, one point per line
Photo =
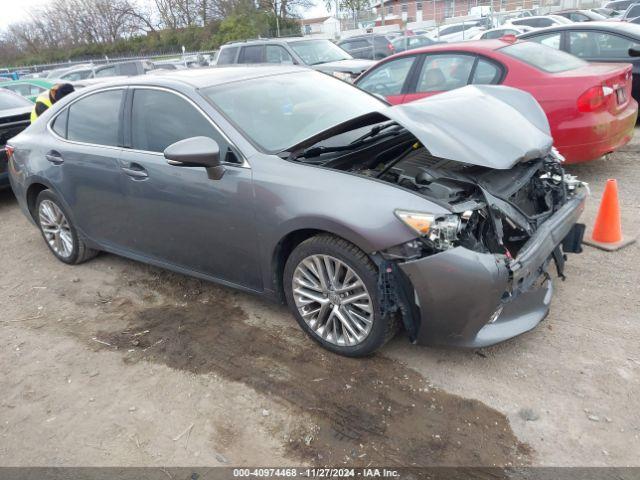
x=278 y=112
x=159 y=119
x=542 y=57
x=599 y=45
x=227 y=55
x=277 y=54
x=96 y=118
x=444 y=72
x=315 y=52
x=388 y=78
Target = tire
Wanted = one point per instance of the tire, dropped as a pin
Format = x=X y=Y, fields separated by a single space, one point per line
x=69 y=247
x=334 y=336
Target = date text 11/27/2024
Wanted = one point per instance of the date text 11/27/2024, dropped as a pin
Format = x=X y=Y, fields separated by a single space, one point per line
x=317 y=472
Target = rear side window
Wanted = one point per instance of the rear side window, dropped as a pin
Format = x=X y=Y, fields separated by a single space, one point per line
x=252 y=54
x=550 y=40
x=161 y=118
x=444 y=72
x=227 y=55
x=486 y=73
x=106 y=72
x=60 y=123
x=543 y=58
x=96 y=118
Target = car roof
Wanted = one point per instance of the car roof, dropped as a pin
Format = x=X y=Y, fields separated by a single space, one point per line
x=620 y=27
x=259 y=41
x=208 y=77
x=476 y=46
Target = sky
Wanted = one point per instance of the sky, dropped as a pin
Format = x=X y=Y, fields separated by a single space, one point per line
x=15 y=10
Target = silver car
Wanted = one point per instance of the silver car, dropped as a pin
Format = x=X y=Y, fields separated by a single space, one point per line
x=439 y=216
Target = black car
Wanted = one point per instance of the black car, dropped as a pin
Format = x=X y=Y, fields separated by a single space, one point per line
x=582 y=15
x=318 y=53
x=595 y=42
x=14 y=117
x=372 y=46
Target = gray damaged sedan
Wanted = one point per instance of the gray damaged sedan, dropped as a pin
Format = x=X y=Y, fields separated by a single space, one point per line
x=441 y=216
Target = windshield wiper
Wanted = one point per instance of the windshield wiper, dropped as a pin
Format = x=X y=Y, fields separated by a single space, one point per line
x=375 y=132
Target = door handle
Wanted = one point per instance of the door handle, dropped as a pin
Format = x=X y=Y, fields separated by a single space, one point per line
x=54 y=157
x=135 y=171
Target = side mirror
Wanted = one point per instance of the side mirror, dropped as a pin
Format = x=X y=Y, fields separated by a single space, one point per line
x=634 y=51
x=196 y=152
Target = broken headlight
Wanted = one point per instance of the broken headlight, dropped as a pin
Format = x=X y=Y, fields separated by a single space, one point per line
x=440 y=232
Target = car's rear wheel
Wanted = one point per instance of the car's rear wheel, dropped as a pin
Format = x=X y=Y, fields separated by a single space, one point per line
x=331 y=288
x=59 y=232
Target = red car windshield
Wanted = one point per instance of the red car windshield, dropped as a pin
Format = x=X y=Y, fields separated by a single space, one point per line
x=543 y=58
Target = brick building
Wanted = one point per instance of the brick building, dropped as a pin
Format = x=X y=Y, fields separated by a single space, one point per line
x=417 y=11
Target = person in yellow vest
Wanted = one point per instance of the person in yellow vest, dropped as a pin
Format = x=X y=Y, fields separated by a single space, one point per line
x=48 y=98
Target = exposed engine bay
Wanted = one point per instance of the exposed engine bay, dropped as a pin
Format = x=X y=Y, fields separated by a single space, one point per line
x=493 y=210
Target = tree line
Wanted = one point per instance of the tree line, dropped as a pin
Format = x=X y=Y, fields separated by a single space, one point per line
x=62 y=30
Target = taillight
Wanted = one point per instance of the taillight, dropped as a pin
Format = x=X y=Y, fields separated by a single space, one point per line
x=390 y=48
x=592 y=99
x=9 y=150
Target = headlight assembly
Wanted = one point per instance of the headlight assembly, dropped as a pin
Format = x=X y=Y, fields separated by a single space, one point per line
x=441 y=232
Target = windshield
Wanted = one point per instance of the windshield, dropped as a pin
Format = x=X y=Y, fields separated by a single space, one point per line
x=280 y=111
x=314 y=52
x=11 y=100
x=543 y=58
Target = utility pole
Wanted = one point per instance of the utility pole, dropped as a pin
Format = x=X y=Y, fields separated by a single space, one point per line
x=383 y=7
x=275 y=3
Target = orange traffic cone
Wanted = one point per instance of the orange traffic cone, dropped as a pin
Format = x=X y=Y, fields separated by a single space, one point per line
x=607 y=231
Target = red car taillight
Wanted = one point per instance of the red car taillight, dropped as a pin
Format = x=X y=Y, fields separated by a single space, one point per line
x=390 y=48
x=592 y=99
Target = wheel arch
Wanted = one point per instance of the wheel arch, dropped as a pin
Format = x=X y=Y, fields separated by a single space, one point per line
x=290 y=241
x=31 y=195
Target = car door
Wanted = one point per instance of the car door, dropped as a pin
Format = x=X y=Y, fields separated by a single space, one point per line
x=389 y=78
x=179 y=215
x=439 y=73
x=83 y=157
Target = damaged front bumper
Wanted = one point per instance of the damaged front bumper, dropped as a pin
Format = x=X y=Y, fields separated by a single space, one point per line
x=472 y=299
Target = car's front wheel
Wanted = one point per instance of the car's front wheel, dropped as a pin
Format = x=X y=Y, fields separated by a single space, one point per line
x=331 y=289
x=59 y=232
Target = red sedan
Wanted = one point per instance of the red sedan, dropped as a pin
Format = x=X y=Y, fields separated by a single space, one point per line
x=589 y=105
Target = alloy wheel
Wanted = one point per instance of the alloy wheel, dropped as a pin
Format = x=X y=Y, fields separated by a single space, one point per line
x=55 y=228
x=333 y=300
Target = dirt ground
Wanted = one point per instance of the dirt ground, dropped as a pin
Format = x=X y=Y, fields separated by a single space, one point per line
x=115 y=363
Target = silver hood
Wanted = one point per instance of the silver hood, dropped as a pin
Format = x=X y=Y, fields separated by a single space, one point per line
x=486 y=125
